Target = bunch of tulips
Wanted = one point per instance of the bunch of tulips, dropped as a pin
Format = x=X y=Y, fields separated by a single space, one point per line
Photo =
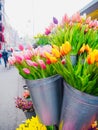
x=32 y=63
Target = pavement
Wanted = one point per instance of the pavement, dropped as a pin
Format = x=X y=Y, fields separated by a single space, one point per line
x=11 y=85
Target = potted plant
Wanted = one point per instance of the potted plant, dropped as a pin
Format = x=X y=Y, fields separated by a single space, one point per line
x=26 y=106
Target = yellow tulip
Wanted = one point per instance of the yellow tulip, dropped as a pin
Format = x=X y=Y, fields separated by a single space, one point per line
x=66 y=47
x=55 y=47
x=55 y=52
x=82 y=49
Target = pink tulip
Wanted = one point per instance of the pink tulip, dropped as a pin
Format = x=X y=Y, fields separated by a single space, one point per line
x=18 y=56
x=11 y=60
x=48 y=61
x=26 y=70
x=95 y=22
x=88 y=20
x=47 y=31
x=36 y=51
x=47 y=48
x=21 y=47
x=90 y=24
x=28 y=54
x=65 y=19
x=42 y=64
x=31 y=63
x=76 y=17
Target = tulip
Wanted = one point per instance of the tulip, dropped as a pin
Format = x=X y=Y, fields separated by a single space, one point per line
x=48 y=62
x=47 y=31
x=76 y=17
x=88 y=20
x=28 y=54
x=91 y=58
x=53 y=59
x=66 y=47
x=65 y=19
x=21 y=47
x=42 y=64
x=32 y=63
x=55 y=46
x=55 y=52
x=96 y=54
x=48 y=55
x=55 y=20
x=26 y=70
x=82 y=49
x=19 y=59
x=87 y=48
x=63 y=61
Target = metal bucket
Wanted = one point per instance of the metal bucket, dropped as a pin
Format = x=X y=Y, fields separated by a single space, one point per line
x=46 y=96
x=79 y=109
x=30 y=114
x=73 y=59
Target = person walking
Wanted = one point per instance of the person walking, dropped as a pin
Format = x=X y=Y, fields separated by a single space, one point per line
x=5 y=57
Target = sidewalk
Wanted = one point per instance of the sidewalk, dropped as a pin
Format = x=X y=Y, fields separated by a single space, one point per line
x=10 y=86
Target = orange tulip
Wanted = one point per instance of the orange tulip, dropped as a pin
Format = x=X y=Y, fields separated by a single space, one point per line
x=53 y=59
x=87 y=48
x=91 y=58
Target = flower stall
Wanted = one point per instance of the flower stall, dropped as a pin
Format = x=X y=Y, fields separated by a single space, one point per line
x=62 y=76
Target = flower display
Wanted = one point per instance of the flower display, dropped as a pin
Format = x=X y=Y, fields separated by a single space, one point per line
x=83 y=75
x=24 y=104
x=32 y=63
x=78 y=30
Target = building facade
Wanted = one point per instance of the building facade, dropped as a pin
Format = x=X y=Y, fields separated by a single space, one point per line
x=2 y=39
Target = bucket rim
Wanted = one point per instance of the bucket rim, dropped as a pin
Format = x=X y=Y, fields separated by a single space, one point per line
x=84 y=96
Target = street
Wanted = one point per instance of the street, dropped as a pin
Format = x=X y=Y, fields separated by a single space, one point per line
x=10 y=86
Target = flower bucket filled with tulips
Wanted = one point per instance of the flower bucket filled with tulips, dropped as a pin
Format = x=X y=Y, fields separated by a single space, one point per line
x=63 y=77
x=44 y=84
x=79 y=37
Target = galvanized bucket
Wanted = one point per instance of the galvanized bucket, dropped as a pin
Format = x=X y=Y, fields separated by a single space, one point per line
x=79 y=109
x=46 y=96
x=30 y=114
